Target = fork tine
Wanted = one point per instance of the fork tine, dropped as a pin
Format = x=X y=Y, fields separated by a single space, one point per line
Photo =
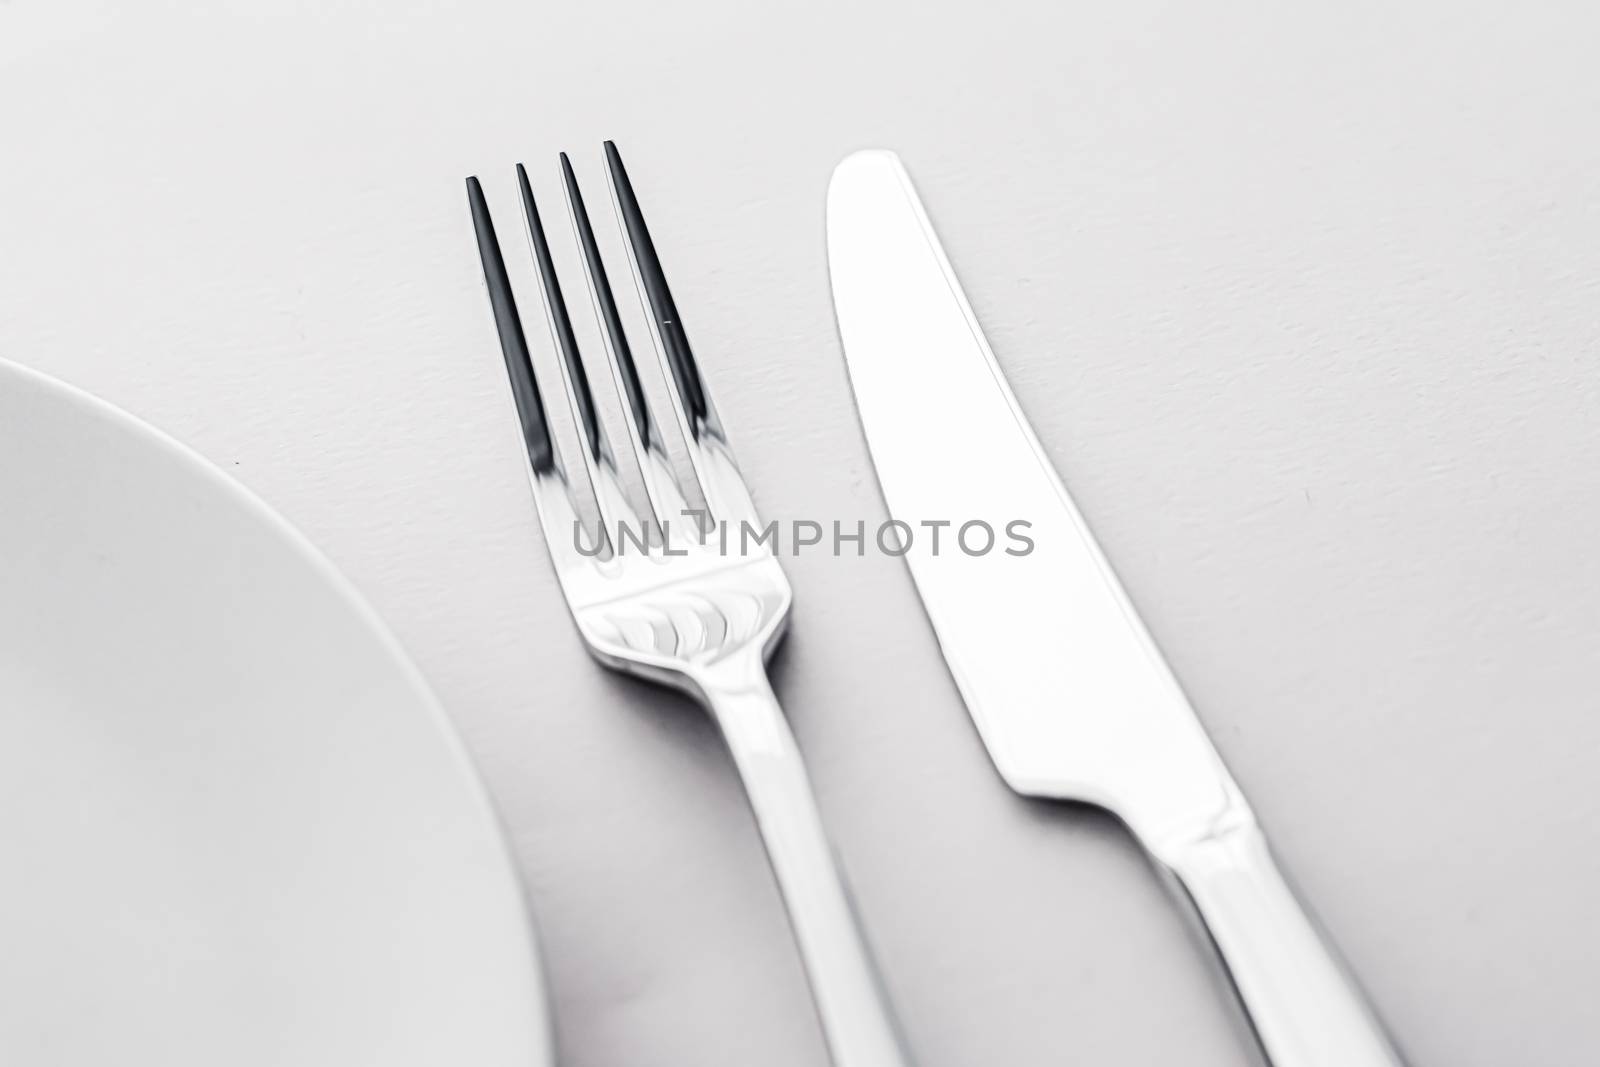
x=599 y=463
x=519 y=367
x=645 y=440
x=606 y=307
x=663 y=309
x=560 y=324
x=719 y=478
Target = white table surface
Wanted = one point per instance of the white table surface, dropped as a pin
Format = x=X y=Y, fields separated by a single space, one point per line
x=1304 y=302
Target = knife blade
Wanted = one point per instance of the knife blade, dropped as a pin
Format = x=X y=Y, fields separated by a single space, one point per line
x=1070 y=694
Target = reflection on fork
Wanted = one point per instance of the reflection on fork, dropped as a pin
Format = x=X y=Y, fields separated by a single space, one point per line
x=702 y=617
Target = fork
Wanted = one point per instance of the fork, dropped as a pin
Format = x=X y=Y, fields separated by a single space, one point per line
x=697 y=616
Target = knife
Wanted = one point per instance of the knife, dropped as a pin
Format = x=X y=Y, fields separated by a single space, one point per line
x=1069 y=693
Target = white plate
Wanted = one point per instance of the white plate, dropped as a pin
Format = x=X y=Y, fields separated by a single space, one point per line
x=235 y=827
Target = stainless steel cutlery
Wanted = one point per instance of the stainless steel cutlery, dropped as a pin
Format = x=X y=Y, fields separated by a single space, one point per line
x=701 y=617
x=1070 y=694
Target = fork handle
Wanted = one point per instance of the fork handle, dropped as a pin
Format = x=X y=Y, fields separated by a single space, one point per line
x=1304 y=1007
x=849 y=995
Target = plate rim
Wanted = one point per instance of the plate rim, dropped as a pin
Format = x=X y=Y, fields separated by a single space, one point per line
x=476 y=790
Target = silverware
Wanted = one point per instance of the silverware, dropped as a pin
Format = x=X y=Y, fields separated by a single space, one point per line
x=1069 y=693
x=650 y=599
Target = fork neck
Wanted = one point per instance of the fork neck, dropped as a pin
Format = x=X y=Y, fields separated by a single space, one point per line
x=735 y=677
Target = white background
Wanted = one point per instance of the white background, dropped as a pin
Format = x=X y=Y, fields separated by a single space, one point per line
x=1304 y=300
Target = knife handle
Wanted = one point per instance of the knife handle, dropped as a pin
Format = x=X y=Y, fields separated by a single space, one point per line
x=849 y=995
x=1304 y=1007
